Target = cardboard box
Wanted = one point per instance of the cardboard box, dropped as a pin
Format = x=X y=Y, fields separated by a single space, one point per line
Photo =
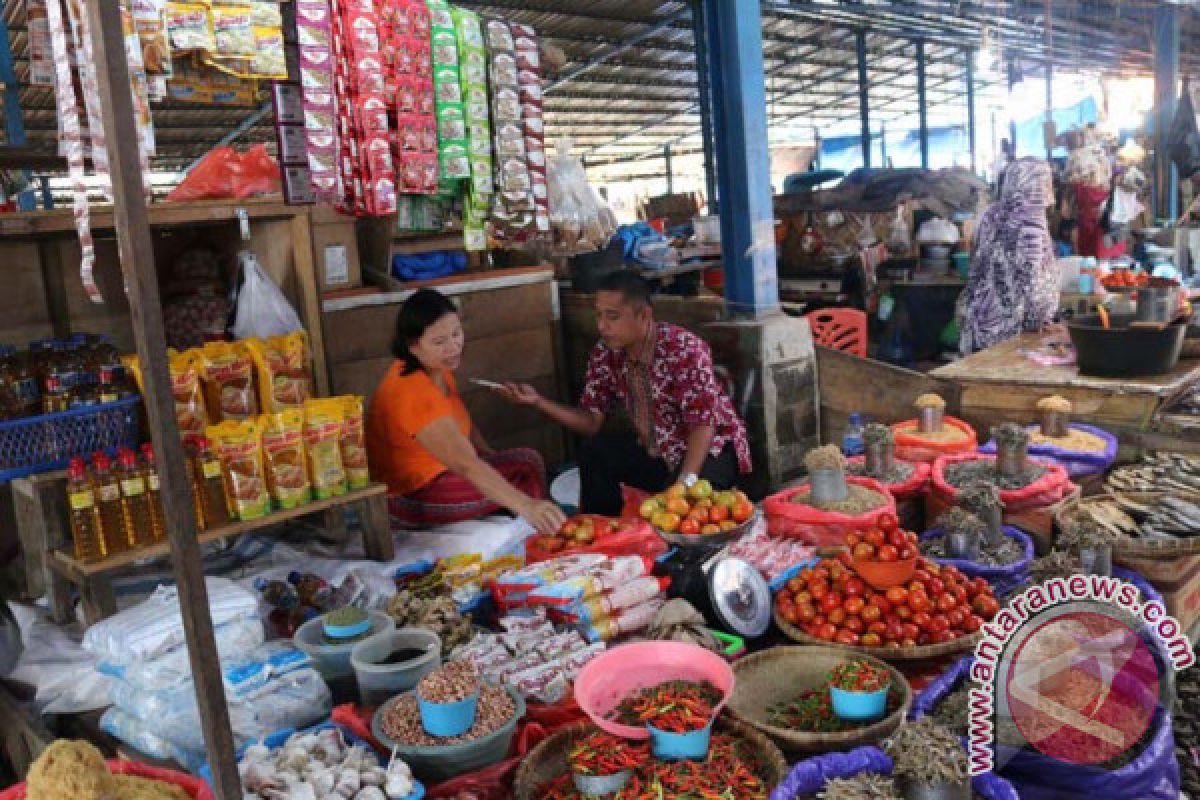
x=335 y=250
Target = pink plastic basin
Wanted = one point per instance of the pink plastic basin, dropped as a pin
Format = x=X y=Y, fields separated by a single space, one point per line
x=611 y=676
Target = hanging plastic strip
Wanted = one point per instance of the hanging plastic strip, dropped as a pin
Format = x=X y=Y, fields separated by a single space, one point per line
x=72 y=144
x=95 y=146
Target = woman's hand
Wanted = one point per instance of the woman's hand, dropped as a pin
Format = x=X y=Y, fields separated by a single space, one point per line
x=520 y=393
x=543 y=515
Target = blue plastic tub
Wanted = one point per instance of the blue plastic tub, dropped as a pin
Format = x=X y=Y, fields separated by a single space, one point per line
x=669 y=746
x=448 y=719
x=859 y=706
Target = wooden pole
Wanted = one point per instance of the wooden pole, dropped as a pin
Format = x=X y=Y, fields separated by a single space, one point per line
x=141 y=282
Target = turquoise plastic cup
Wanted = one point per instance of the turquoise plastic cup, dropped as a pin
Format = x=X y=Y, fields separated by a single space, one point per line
x=448 y=719
x=692 y=745
x=859 y=706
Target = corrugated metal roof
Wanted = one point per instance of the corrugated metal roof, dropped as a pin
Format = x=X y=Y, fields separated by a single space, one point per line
x=638 y=98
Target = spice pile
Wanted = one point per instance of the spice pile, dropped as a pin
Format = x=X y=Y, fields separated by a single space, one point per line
x=732 y=771
x=600 y=753
x=674 y=706
x=453 y=683
x=976 y=472
x=350 y=616
x=1004 y=552
x=531 y=656
x=1078 y=440
x=951 y=712
x=75 y=770
x=401 y=720
x=439 y=614
x=899 y=473
x=859 y=500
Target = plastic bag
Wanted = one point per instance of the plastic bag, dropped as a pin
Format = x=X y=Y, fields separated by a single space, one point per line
x=259 y=174
x=236 y=641
x=63 y=673
x=135 y=733
x=580 y=220
x=822 y=528
x=938 y=231
x=261 y=310
x=914 y=447
x=999 y=576
x=1183 y=139
x=154 y=627
x=1047 y=490
x=226 y=173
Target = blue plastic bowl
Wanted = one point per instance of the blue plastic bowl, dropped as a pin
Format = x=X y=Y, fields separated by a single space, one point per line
x=668 y=746
x=448 y=719
x=859 y=706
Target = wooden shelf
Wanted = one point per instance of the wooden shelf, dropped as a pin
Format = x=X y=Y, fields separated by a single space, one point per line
x=77 y=571
x=32 y=223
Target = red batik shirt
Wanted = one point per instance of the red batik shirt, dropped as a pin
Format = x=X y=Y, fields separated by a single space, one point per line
x=684 y=390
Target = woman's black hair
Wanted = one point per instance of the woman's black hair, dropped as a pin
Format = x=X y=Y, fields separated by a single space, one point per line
x=420 y=311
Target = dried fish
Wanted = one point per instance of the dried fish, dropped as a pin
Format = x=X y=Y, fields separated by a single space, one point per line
x=867 y=786
x=925 y=753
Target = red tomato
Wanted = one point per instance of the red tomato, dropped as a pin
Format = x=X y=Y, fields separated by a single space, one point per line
x=852 y=539
x=910 y=630
x=922 y=619
x=689 y=527
x=959 y=594
x=870 y=613
x=885 y=605
x=894 y=632
x=898 y=538
x=922 y=575
x=718 y=514
x=902 y=612
x=908 y=642
x=875 y=537
x=802 y=596
x=907 y=552
x=827 y=632
x=878 y=626
x=919 y=601
x=846 y=637
x=887 y=521
x=818 y=590
x=972 y=623
x=935 y=587
x=854 y=587
x=854 y=624
x=944 y=636
x=946 y=602
x=897 y=595
x=844 y=557
x=864 y=552
x=938 y=623
x=956 y=618
x=986 y=607
x=887 y=553
x=837 y=616
x=870 y=640
x=806 y=613
x=831 y=601
x=915 y=586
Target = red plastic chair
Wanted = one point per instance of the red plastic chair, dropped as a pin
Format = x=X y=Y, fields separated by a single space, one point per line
x=843 y=329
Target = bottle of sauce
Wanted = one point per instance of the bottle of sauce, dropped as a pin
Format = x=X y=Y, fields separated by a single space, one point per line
x=86 y=532
x=8 y=396
x=108 y=503
x=25 y=385
x=56 y=394
x=158 y=529
x=135 y=500
x=208 y=485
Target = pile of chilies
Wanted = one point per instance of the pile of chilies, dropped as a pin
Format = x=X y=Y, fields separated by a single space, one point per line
x=727 y=774
x=674 y=706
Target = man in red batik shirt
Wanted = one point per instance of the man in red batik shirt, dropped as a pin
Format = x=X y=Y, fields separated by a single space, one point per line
x=655 y=381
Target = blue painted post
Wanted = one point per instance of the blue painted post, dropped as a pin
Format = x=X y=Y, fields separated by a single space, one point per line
x=700 y=40
x=670 y=171
x=734 y=29
x=14 y=122
x=922 y=105
x=1166 y=81
x=864 y=105
x=970 y=54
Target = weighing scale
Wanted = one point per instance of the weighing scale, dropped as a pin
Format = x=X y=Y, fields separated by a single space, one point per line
x=728 y=592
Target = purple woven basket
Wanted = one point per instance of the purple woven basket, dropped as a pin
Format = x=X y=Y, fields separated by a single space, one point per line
x=1000 y=577
x=1078 y=464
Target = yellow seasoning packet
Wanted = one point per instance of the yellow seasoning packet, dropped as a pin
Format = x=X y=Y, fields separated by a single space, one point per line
x=229 y=381
x=353 y=442
x=322 y=443
x=282 y=366
x=284 y=459
x=238 y=446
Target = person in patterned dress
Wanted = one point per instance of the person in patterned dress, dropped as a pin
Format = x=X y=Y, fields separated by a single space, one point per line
x=652 y=411
x=1014 y=281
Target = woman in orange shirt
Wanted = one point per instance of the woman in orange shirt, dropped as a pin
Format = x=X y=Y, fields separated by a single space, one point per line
x=422 y=444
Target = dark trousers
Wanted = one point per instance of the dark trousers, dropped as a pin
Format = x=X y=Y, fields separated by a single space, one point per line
x=608 y=460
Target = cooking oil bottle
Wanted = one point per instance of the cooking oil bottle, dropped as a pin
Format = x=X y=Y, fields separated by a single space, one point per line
x=207 y=485
x=108 y=504
x=85 y=517
x=135 y=501
x=157 y=528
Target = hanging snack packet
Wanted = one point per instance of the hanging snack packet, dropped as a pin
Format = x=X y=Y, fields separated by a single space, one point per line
x=353 y=443
x=603 y=577
x=594 y=606
x=189 y=28
x=625 y=621
x=283 y=457
x=229 y=381
x=238 y=447
x=322 y=443
x=282 y=366
x=233 y=32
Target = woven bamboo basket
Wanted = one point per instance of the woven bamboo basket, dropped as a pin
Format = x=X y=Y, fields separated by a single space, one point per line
x=1161 y=549
x=919 y=653
x=548 y=760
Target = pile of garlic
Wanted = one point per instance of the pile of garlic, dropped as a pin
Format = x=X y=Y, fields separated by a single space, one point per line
x=320 y=765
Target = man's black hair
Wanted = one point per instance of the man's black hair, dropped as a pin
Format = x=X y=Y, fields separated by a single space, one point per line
x=631 y=286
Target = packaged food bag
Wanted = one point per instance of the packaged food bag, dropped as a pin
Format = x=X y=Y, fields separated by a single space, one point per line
x=282 y=364
x=353 y=443
x=238 y=446
x=229 y=381
x=283 y=458
x=186 y=369
x=322 y=443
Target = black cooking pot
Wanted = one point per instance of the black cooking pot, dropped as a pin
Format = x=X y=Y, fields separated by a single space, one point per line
x=1123 y=352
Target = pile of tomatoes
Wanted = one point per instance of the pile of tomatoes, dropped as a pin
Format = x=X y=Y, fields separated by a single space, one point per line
x=884 y=542
x=698 y=510
x=1124 y=279
x=581 y=531
x=939 y=604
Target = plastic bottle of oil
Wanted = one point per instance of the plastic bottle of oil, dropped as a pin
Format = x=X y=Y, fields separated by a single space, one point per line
x=85 y=516
x=135 y=500
x=208 y=486
x=108 y=503
x=153 y=490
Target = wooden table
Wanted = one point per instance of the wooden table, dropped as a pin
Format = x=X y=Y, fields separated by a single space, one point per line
x=1001 y=384
x=44 y=531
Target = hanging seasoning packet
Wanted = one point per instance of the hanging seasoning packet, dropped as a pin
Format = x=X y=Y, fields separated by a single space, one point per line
x=322 y=442
x=472 y=57
x=454 y=164
x=284 y=459
x=282 y=367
